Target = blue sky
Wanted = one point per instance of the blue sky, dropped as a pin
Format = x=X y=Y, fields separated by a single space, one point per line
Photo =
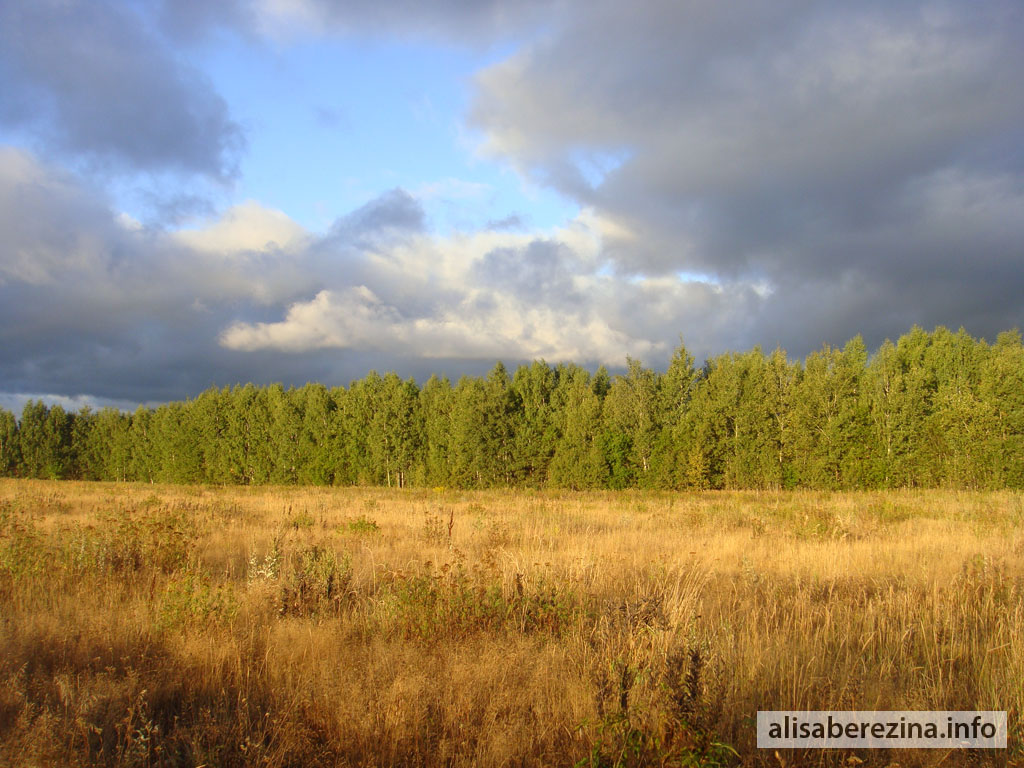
x=199 y=194
x=332 y=123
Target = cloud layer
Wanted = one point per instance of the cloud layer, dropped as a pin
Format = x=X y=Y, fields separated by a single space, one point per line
x=776 y=172
x=93 y=303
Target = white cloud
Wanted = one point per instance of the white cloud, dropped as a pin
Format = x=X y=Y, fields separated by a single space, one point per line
x=248 y=226
x=478 y=327
x=445 y=307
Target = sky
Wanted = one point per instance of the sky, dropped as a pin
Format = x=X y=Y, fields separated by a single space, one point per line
x=198 y=194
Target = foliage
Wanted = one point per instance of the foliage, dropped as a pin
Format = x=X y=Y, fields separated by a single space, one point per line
x=934 y=409
x=314 y=580
x=191 y=597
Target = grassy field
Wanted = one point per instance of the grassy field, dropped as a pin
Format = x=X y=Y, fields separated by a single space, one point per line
x=150 y=625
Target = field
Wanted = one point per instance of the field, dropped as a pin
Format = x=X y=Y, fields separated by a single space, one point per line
x=148 y=625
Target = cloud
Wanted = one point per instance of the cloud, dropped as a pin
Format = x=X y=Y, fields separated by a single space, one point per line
x=482 y=327
x=512 y=222
x=193 y=20
x=467 y=21
x=91 y=303
x=867 y=152
x=92 y=80
x=95 y=305
x=248 y=226
x=545 y=270
x=769 y=172
x=15 y=402
x=395 y=213
x=479 y=296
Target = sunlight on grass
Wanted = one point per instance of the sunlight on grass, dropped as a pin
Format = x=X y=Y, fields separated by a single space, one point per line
x=164 y=625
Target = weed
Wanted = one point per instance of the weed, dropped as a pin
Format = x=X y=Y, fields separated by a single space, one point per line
x=433 y=528
x=156 y=626
x=269 y=568
x=362 y=526
x=675 y=731
x=24 y=553
x=300 y=521
x=191 y=598
x=316 y=582
x=129 y=541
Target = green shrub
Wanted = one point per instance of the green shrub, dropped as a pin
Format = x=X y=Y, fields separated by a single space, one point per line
x=316 y=581
x=362 y=525
x=191 y=597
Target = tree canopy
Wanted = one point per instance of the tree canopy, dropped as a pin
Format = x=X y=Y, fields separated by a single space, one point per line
x=933 y=409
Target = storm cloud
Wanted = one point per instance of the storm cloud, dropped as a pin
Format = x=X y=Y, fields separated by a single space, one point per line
x=860 y=162
x=91 y=303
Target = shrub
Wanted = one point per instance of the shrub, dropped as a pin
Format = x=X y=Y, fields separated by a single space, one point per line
x=317 y=581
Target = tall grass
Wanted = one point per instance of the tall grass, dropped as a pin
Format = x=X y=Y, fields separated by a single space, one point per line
x=162 y=626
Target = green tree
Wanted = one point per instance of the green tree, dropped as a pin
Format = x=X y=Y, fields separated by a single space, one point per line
x=738 y=422
x=831 y=418
x=578 y=461
x=395 y=429
x=780 y=392
x=1001 y=390
x=674 y=442
x=286 y=435
x=318 y=451
x=175 y=440
x=886 y=390
x=631 y=417
x=108 y=450
x=535 y=429
x=143 y=464
x=209 y=418
x=45 y=441
x=963 y=421
x=437 y=406
x=360 y=445
x=916 y=458
x=934 y=408
x=89 y=461
x=246 y=437
x=483 y=430
x=9 y=453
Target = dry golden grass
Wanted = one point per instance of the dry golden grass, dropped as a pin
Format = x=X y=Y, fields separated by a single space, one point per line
x=163 y=625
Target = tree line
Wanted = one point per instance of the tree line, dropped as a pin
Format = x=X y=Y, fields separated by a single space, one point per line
x=933 y=409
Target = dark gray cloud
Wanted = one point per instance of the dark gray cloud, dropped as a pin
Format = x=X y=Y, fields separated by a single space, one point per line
x=475 y=23
x=194 y=20
x=858 y=163
x=170 y=209
x=91 y=79
x=92 y=305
